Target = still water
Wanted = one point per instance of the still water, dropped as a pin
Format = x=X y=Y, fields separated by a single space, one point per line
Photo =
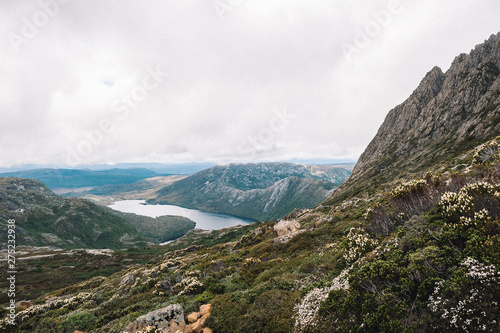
x=205 y=221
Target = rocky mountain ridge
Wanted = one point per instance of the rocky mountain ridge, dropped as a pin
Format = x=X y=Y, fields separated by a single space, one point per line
x=448 y=113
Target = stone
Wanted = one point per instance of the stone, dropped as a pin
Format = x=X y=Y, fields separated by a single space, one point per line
x=23 y=305
x=169 y=319
x=323 y=221
x=204 y=309
x=127 y=281
x=207 y=330
x=197 y=327
x=283 y=227
x=193 y=317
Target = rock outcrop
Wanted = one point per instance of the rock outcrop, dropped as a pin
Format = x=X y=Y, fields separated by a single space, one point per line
x=169 y=319
x=286 y=227
x=286 y=230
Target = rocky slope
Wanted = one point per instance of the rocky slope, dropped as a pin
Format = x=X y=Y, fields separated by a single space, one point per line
x=262 y=191
x=448 y=113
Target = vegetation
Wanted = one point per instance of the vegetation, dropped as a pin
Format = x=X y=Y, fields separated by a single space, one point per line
x=411 y=243
x=159 y=229
x=411 y=259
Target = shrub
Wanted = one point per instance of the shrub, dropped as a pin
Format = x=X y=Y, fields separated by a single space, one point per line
x=468 y=301
x=270 y=313
x=413 y=186
x=225 y=315
x=79 y=321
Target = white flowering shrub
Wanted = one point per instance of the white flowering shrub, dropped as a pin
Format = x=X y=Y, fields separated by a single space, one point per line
x=190 y=284
x=456 y=203
x=462 y=203
x=469 y=222
x=306 y=311
x=486 y=152
x=356 y=244
x=469 y=302
x=410 y=186
x=479 y=188
x=69 y=302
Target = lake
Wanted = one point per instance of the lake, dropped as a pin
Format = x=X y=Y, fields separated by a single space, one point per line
x=205 y=221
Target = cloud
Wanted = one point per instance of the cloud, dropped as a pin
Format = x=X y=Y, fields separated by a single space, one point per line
x=68 y=66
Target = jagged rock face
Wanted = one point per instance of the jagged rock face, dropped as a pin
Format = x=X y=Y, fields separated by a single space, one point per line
x=448 y=112
x=264 y=191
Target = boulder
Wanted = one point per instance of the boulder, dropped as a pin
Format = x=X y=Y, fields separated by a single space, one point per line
x=169 y=319
x=193 y=317
x=197 y=327
x=204 y=309
x=23 y=305
x=283 y=227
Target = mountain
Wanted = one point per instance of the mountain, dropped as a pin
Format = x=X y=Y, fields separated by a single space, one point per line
x=262 y=191
x=447 y=114
x=406 y=246
x=45 y=219
x=69 y=178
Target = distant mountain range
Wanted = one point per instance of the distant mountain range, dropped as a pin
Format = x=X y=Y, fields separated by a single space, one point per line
x=70 y=178
x=260 y=191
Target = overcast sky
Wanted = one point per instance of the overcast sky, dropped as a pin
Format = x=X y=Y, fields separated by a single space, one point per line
x=94 y=81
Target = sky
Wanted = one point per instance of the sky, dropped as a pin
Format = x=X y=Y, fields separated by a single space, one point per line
x=115 y=81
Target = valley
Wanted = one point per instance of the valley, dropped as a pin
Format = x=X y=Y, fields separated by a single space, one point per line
x=406 y=241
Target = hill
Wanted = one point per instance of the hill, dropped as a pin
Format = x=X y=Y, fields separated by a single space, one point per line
x=160 y=229
x=43 y=218
x=262 y=191
x=46 y=219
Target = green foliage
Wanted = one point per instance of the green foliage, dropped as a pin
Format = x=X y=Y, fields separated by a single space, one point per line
x=225 y=315
x=205 y=297
x=269 y=312
x=159 y=229
x=80 y=321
